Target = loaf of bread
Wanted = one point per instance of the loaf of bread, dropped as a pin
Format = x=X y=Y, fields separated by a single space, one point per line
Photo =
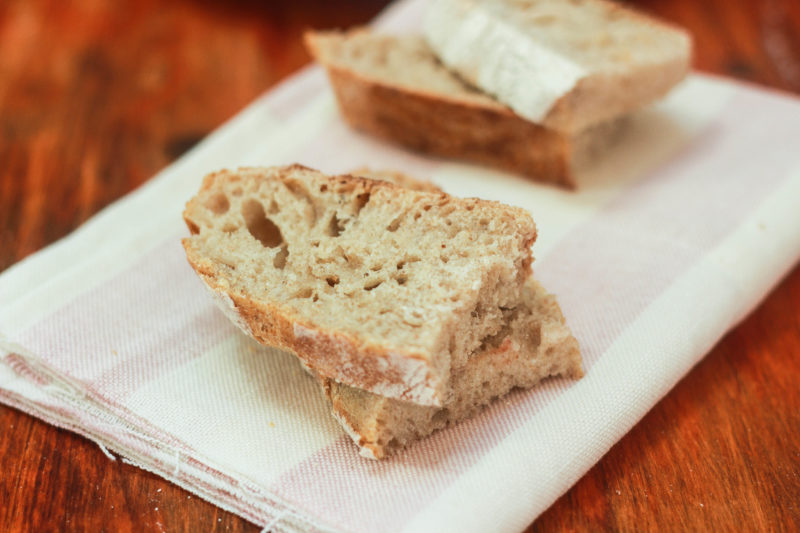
x=396 y=89
x=373 y=285
x=563 y=64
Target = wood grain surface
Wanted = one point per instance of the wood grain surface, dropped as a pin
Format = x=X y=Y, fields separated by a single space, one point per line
x=98 y=95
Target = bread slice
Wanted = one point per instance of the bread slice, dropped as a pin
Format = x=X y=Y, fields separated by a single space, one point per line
x=373 y=285
x=563 y=64
x=534 y=344
x=395 y=88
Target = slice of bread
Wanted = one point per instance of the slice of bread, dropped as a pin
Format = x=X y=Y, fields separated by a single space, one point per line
x=534 y=344
x=379 y=287
x=563 y=64
x=396 y=89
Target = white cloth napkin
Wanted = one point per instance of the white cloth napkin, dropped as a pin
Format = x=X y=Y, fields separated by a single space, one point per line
x=675 y=235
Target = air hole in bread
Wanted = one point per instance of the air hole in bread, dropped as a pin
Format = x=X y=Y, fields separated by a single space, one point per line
x=401 y=279
x=440 y=417
x=332 y=280
x=323 y=188
x=335 y=226
x=304 y=293
x=273 y=208
x=237 y=191
x=478 y=311
x=260 y=227
x=300 y=192
x=281 y=257
x=193 y=229
x=372 y=284
x=218 y=204
x=394 y=224
x=400 y=265
x=494 y=341
x=229 y=227
x=361 y=201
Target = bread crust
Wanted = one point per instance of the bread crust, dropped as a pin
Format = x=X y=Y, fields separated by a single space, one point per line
x=438 y=124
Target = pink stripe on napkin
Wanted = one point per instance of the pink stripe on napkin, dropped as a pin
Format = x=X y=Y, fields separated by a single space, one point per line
x=151 y=317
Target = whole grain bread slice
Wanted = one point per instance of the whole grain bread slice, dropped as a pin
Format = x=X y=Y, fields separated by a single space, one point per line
x=395 y=88
x=534 y=344
x=563 y=64
x=373 y=285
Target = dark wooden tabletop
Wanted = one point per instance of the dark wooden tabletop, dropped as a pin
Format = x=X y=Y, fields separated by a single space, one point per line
x=98 y=95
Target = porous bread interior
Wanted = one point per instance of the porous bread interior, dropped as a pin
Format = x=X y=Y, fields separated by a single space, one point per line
x=404 y=61
x=564 y=64
x=400 y=268
x=598 y=35
x=534 y=344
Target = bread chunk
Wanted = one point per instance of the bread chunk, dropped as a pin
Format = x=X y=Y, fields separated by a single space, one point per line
x=533 y=344
x=564 y=64
x=373 y=285
x=395 y=88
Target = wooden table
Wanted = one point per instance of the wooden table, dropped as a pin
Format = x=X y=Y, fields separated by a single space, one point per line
x=98 y=95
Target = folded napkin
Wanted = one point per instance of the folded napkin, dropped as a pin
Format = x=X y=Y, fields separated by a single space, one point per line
x=675 y=236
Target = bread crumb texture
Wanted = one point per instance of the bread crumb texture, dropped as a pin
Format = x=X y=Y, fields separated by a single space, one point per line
x=377 y=286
